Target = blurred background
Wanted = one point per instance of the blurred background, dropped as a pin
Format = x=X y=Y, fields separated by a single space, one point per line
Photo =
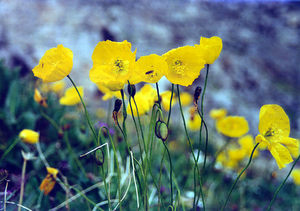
x=259 y=63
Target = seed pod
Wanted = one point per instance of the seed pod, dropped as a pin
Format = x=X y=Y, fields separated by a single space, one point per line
x=131 y=90
x=197 y=94
x=161 y=130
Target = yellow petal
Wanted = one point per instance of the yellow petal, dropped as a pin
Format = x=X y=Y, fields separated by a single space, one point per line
x=55 y=65
x=195 y=123
x=296 y=176
x=149 y=69
x=232 y=126
x=71 y=96
x=29 y=136
x=166 y=98
x=210 y=48
x=113 y=64
x=184 y=65
x=186 y=98
x=292 y=145
x=52 y=171
x=281 y=155
x=58 y=87
x=218 y=113
x=273 y=122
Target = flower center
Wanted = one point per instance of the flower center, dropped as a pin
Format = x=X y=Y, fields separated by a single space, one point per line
x=120 y=66
x=151 y=74
x=178 y=67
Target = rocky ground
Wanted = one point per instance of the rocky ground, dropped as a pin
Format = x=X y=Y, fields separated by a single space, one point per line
x=259 y=63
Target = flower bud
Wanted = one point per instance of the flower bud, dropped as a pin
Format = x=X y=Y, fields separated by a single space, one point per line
x=161 y=130
x=197 y=94
x=118 y=104
x=131 y=90
x=29 y=136
x=99 y=157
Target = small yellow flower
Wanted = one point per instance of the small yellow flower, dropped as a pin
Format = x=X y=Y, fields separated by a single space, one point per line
x=39 y=99
x=296 y=176
x=186 y=98
x=247 y=144
x=232 y=126
x=71 y=96
x=108 y=94
x=29 y=136
x=165 y=100
x=184 y=65
x=210 y=48
x=149 y=69
x=144 y=98
x=218 y=114
x=113 y=64
x=194 y=123
x=58 y=87
x=48 y=183
x=56 y=64
x=274 y=129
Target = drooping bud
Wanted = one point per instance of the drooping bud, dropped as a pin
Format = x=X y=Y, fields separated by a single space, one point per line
x=118 y=104
x=131 y=90
x=197 y=94
x=99 y=157
x=161 y=130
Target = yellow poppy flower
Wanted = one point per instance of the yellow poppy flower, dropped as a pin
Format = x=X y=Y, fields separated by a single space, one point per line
x=108 y=94
x=58 y=87
x=149 y=69
x=144 y=98
x=247 y=144
x=48 y=183
x=39 y=99
x=113 y=64
x=71 y=96
x=29 y=136
x=218 y=113
x=296 y=176
x=165 y=100
x=56 y=64
x=186 y=98
x=227 y=161
x=210 y=48
x=274 y=129
x=232 y=126
x=184 y=65
x=194 y=123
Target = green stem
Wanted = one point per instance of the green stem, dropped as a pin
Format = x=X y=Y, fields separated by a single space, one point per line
x=170 y=108
x=85 y=110
x=66 y=138
x=117 y=163
x=282 y=184
x=191 y=146
x=9 y=148
x=240 y=174
x=204 y=89
x=160 y=201
x=158 y=96
x=171 y=169
x=22 y=183
x=52 y=122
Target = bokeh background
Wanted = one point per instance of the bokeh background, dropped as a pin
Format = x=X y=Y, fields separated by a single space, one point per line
x=259 y=63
